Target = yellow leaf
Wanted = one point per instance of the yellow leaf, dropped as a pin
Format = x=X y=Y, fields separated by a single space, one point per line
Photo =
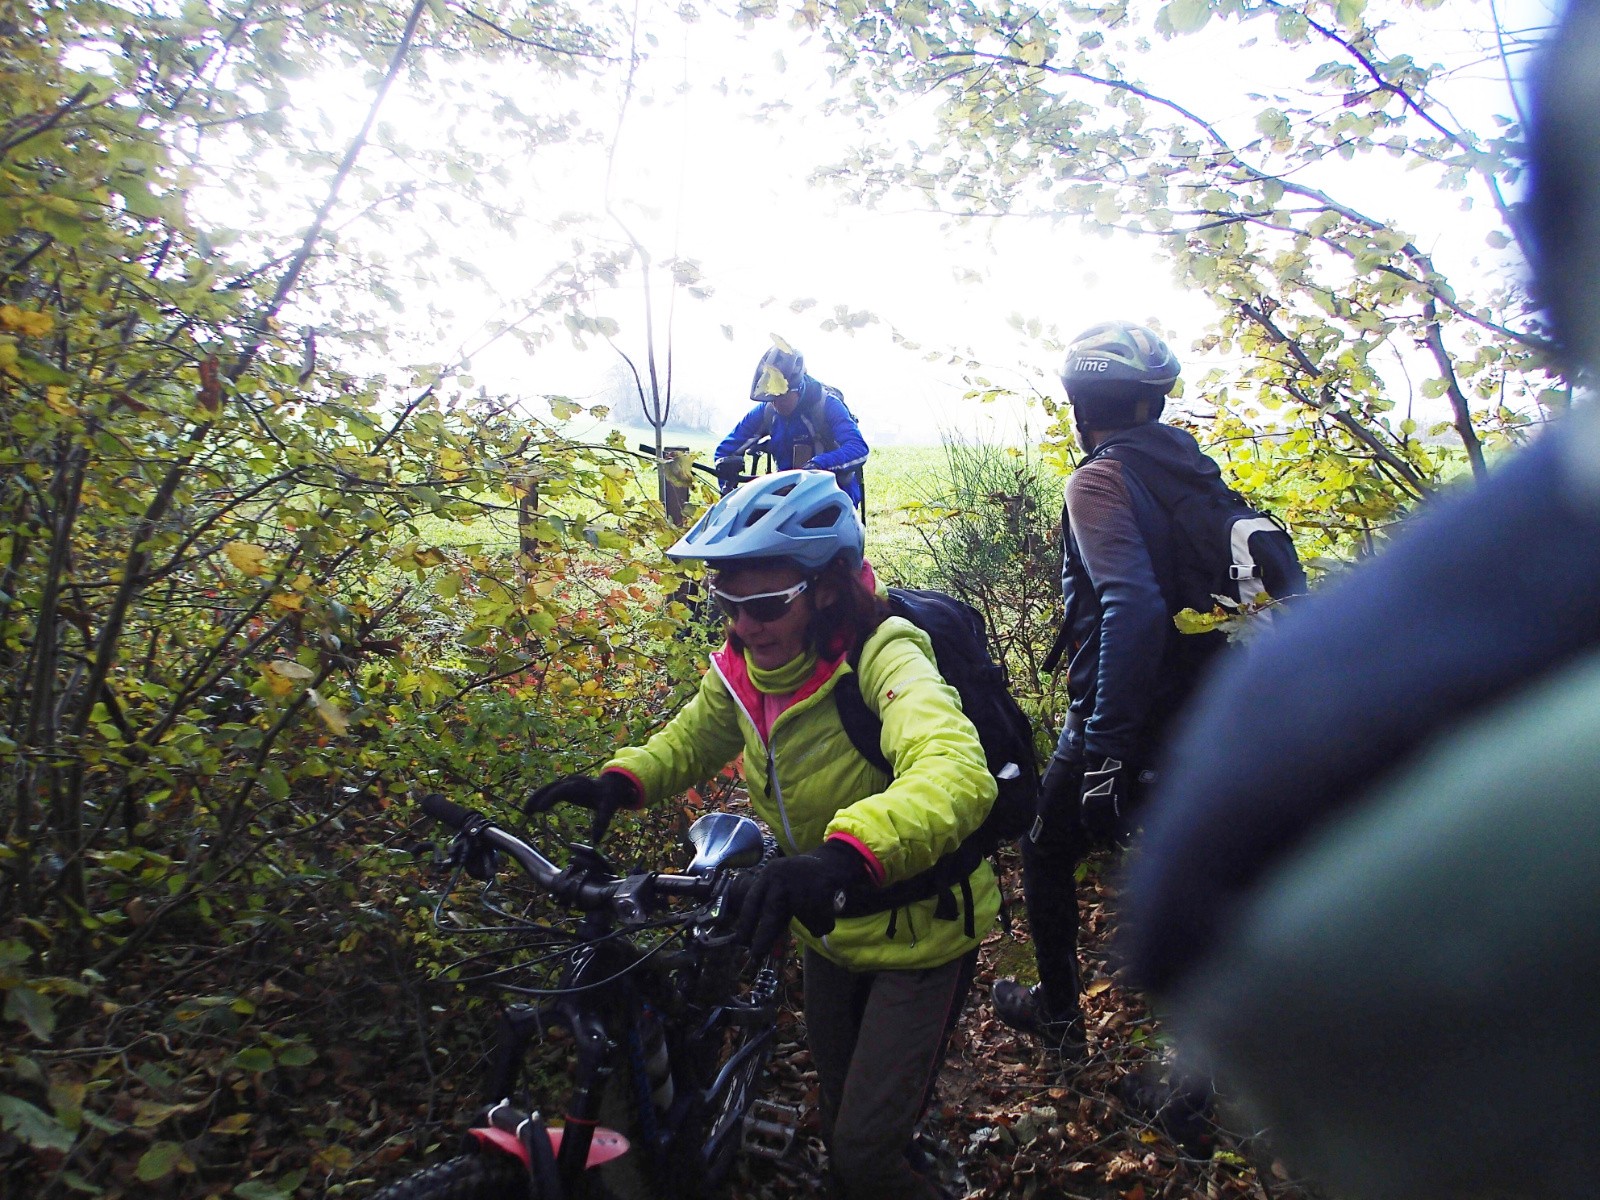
x=277 y=684
x=289 y=670
x=26 y=321
x=248 y=558
x=1098 y=986
x=1190 y=621
x=781 y=344
x=430 y=558
x=333 y=1158
x=1035 y=52
x=772 y=382
x=680 y=469
x=329 y=712
x=56 y=398
x=288 y=602
x=236 y=1123
x=148 y=1114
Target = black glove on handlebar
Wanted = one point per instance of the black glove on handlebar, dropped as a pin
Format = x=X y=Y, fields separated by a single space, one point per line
x=602 y=795
x=728 y=472
x=810 y=888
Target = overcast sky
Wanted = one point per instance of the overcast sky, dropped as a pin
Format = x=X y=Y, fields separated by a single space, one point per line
x=696 y=173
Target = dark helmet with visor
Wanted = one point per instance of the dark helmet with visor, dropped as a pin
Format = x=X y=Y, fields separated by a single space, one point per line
x=782 y=369
x=1118 y=374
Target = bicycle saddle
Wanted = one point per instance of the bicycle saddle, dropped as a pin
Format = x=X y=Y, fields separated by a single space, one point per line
x=724 y=840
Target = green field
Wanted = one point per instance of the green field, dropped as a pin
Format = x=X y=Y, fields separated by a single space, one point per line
x=895 y=477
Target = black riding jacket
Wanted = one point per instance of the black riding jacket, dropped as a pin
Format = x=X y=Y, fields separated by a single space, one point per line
x=1129 y=670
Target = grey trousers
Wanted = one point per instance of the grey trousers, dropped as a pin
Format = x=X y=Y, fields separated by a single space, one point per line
x=878 y=1040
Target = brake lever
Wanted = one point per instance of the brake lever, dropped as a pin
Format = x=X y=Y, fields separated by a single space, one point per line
x=477 y=859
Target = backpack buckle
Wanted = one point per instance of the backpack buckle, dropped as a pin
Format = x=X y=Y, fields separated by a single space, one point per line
x=1236 y=572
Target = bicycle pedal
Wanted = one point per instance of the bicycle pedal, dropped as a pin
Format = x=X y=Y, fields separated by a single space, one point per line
x=770 y=1128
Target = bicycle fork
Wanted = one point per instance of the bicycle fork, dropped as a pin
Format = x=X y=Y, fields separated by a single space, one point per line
x=519 y=1025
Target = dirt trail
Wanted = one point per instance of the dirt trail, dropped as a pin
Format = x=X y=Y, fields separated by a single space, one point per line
x=1007 y=1123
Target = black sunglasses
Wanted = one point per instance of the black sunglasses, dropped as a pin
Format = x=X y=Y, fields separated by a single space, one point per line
x=763 y=606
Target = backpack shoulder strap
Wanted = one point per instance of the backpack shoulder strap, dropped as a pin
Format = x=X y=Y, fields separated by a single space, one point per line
x=813 y=407
x=1156 y=479
x=860 y=723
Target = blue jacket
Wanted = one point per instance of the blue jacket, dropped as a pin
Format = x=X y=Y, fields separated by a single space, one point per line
x=1130 y=668
x=820 y=421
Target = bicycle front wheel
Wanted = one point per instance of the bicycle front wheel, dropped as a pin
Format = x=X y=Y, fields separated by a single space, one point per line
x=472 y=1177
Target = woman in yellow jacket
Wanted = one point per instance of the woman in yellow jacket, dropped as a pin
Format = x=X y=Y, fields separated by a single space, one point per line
x=881 y=991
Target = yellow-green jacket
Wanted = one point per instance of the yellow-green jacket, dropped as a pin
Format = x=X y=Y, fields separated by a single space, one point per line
x=807 y=782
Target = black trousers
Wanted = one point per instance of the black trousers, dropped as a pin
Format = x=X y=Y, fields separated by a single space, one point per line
x=1051 y=854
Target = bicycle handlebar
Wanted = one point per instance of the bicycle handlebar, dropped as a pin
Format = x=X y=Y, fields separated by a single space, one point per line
x=569 y=886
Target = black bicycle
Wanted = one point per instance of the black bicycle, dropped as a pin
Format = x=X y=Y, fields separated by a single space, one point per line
x=671 y=1025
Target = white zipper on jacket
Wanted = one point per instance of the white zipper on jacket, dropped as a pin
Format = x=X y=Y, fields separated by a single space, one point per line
x=772 y=762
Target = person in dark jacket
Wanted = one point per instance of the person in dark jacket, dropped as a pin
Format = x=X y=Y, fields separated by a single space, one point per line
x=1129 y=669
x=807 y=422
x=1368 y=892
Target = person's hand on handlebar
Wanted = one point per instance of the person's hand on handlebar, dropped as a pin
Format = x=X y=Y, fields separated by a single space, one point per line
x=729 y=472
x=602 y=795
x=810 y=888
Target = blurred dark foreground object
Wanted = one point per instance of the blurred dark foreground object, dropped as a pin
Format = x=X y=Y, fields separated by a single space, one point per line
x=1411 y=1005
x=1368 y=894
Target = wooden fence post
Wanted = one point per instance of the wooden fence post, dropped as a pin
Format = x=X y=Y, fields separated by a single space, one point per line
x=674 y=495
x=527 y=517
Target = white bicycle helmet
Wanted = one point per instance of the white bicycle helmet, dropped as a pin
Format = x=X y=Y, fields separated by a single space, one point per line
x=803 y=516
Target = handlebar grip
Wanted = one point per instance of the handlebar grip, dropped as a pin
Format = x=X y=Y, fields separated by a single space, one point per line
x=447 y=811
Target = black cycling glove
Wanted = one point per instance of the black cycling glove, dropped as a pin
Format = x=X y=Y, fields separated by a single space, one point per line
x=811 y=888
x=1103 y=801
x=602 y=795
x=728 y=472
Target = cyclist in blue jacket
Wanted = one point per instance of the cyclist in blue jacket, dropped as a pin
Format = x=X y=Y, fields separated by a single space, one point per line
x=806 y=419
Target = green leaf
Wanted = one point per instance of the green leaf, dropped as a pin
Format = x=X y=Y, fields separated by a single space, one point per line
x=1187 y=16
x=260 y=1189
x=33 y=1125
x=255 y=1058
x=1273 y=125
x=32 y=1009
x=297 y=1054
x=158 y=1161
x=78 y=1183
x=1348 y=12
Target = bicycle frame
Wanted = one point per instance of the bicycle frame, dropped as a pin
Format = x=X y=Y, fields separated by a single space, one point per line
x=604 y=989
x=603 y=1013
